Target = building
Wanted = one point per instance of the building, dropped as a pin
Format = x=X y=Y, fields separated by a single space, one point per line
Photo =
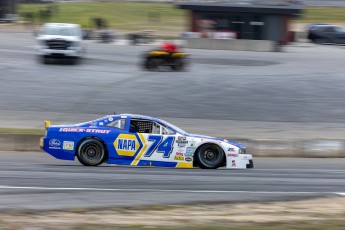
x=7 y=7
x=252 y=20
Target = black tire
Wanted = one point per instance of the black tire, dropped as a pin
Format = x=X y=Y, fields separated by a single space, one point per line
x=148 y=64
x=179 y=64
x=209 y=156
x=91 y=152
x=44 y=59
x=322 y=41
x=75 y=61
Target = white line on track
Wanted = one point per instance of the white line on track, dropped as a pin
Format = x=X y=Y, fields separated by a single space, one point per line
x=164 y=190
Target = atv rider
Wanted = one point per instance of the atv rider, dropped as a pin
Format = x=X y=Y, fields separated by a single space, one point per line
x=169 y=47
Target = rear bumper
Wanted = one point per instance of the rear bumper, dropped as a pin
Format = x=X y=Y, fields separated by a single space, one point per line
x=41 y=143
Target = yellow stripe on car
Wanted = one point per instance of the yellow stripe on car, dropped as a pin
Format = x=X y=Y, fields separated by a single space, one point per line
x=184 y=165
x=142 y=151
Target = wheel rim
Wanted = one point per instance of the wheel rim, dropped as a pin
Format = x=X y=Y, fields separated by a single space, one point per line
x=211 y=156
x=92 y=153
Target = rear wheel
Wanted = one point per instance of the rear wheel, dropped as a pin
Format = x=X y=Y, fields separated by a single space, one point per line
x=152 y=63
x=210 y=156
x=91 y=152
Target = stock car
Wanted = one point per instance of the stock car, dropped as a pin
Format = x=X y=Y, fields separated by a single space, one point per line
x=137 y=140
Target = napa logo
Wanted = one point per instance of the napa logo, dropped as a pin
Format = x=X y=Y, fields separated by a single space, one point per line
x=126 y=145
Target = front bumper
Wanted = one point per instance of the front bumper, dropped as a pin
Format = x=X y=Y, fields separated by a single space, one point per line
x=71 y=52
x=239 y=161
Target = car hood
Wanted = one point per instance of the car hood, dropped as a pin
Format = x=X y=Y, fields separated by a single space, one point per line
x=217 y=139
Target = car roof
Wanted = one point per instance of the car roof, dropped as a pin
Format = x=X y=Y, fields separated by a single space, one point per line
x=138 y=116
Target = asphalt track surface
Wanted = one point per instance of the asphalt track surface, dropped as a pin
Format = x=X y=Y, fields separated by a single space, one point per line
x=302 y=84
x=36 y=181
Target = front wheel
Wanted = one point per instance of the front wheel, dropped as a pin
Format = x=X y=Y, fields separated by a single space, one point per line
x=91 y=152
x=179 y=64
x=210 y=156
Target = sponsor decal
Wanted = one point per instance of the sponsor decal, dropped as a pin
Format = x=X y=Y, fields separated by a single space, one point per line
x=97 y=131
x=179 y=158
x=181 y=141
x=233 y=163
x=82 y=130
x=126 y=144
x=192 y=144
x=232 y=155
x=188 y=158
x=179 y=154
x=190 y=150
x=101 y=123
x=231 y=149
x=68 y=145
x=54 y=144
x=110 y=119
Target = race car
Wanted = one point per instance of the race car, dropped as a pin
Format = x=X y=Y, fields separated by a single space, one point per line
x=137 y=140
x=156 y=59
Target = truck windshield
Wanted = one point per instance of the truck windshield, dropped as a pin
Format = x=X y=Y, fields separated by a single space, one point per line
x=63 y=31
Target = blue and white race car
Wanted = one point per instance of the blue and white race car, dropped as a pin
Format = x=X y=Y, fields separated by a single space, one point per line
x=137 y=140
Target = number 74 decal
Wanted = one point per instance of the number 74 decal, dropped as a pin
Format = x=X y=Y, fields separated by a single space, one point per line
x=165 y=146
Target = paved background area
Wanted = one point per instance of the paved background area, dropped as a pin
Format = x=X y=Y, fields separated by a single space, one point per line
x=37 y=181
x=297 y=93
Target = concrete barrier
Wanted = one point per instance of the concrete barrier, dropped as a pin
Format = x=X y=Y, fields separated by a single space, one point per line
x=259 y=148
x=19 y=142
x=231 y=44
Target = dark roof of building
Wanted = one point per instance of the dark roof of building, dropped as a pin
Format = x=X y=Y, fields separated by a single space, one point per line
x=247 y=8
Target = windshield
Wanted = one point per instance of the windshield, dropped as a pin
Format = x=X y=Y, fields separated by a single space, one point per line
x=177 y=129
x=60 y=30
x=340 y=29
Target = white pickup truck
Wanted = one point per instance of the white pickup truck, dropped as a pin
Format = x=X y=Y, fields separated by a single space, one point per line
x=60 y=40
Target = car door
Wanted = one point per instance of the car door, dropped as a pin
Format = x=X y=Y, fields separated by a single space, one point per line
x=160 y=145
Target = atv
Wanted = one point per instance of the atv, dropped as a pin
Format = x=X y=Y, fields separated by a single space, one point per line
x=158 y=59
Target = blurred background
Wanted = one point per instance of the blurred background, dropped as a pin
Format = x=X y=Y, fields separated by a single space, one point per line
x=267 y=73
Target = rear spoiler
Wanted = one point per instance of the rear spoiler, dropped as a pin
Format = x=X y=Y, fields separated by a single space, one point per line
x=47 y=124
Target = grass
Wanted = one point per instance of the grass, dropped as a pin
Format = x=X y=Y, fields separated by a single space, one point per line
x=119 y=15
x=165 y=18
x=323 y=15
x=21 y=131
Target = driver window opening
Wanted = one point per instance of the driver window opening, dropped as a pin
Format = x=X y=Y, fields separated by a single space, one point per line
x=146 y=126
x=140 y=126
